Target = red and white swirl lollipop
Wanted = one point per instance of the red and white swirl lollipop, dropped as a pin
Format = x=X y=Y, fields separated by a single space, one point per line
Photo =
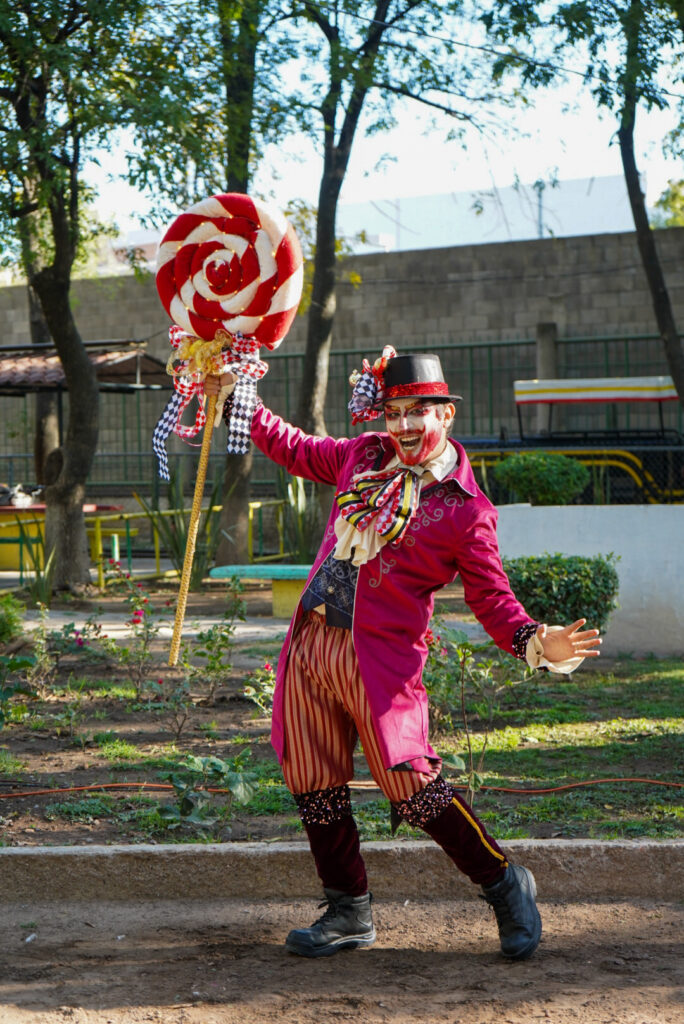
x=231 y=263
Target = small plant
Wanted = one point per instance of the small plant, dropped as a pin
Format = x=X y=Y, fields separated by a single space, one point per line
x=68 y=720
x=214 y=646
x=42 y=568
x=261 y=687
x=51 y=646
x=209 y=729
x=542 y=478
x=175 y=702
x=559 y=589
x=13 y=670
x=135 y=657
x=458 y=674
x=192 y=782
x=11 y=618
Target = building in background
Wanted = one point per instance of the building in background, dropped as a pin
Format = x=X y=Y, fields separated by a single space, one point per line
x=544 y=209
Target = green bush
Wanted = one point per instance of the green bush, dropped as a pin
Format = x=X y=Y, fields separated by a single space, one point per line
x=542 y=478
x=559 y=589
x=11 y=618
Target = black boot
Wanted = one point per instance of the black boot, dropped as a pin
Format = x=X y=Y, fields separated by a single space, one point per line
x=513 y=902
x=346 y=924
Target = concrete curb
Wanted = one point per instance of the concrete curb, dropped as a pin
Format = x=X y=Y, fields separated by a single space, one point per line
x=564 y=869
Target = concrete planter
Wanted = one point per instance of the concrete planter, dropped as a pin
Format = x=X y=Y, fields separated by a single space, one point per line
x=649 y=541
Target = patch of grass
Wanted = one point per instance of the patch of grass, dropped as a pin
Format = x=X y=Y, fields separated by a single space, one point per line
x=138 y=813
x=265 y=649
x=164 y=759
x=115 y=688
x=373 y=819
x=85 y=809
x=9 y=764
x=241 y=741
x=115 y=749
x=272 y=797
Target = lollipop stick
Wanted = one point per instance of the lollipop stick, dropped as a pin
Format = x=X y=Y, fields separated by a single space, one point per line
x=192 y=531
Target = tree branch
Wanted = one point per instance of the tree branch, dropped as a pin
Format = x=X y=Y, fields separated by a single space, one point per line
x=401 y=90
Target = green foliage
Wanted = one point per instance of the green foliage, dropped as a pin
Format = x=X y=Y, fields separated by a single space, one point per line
x=135 y=656
x=559 y=589
x=191 y=782
x=174 y=702
x=213 y=647
x=542 y=478
x=462 y=679
x=261 y=687
x=172 y=527
x=13 y=670
x=669 y=207
x=42 y=569
x=11 y=618
x=301 y=518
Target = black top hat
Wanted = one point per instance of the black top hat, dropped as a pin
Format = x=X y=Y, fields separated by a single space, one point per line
x=416 y=375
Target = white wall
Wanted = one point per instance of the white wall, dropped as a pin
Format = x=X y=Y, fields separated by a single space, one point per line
x=649 y=539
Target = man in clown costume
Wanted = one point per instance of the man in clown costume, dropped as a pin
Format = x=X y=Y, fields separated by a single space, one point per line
x=408 y=517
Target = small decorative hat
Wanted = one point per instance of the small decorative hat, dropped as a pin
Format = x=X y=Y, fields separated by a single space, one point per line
x=419 y=375
x=393 y=376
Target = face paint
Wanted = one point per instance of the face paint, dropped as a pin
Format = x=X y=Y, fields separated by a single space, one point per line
x=417 y=429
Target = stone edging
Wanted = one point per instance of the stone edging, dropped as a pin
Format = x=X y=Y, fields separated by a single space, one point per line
x=564 y=869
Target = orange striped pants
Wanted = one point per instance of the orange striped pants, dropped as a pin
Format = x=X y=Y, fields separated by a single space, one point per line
x=326 y=710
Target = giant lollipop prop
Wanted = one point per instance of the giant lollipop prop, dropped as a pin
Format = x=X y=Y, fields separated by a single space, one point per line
x=229 y=274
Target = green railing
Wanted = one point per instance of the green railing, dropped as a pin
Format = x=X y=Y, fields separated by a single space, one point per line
x=482 y=372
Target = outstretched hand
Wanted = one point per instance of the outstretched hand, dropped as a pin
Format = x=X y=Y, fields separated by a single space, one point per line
x=569 y=642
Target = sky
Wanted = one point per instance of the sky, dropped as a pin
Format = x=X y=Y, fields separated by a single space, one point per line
x=560 y=136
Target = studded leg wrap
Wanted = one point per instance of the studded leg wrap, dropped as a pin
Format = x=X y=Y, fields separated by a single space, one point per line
x=324 y=806
x=334 y=840
x=451 y=822
x=426 y=804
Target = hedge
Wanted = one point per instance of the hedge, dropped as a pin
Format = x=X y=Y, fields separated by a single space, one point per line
x=558 y=589
x=542 y=478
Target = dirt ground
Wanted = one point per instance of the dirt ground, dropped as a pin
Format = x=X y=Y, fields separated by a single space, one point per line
x=224 y=963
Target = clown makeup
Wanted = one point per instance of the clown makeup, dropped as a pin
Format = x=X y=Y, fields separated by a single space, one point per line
x=418 y=428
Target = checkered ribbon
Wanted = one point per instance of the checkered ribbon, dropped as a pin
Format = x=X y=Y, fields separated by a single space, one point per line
x=369 y=388
x=387 y=499
x=196 y=359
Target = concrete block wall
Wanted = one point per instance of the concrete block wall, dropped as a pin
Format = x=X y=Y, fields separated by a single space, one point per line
x=588 y=285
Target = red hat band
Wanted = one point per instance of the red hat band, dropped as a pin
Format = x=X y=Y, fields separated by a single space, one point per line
x=423 y=389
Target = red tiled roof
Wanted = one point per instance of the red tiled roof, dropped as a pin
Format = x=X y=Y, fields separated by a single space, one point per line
x=28 y=372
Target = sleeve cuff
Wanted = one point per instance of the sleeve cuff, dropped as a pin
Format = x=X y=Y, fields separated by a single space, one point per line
x=534 y=656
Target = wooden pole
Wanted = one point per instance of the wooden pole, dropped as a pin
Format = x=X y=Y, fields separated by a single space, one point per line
x=192 y=531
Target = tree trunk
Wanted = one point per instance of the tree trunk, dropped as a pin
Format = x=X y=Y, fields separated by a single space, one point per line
x=336 y=152
x=68 y=467
x=233 y=548
x=311 y=408
x=46 y=438
x=239 y=44
x=660 y=298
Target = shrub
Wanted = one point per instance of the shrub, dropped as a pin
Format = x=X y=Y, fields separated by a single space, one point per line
x=542 y=478
x=559 y=589
x=11 y=618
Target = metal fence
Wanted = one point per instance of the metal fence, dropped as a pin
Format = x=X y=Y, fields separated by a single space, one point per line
x=483 y=373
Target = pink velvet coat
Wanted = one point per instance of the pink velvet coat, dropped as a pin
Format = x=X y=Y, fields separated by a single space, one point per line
x=453 y=532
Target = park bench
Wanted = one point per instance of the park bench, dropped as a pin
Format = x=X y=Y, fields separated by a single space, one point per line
x=287 y=582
